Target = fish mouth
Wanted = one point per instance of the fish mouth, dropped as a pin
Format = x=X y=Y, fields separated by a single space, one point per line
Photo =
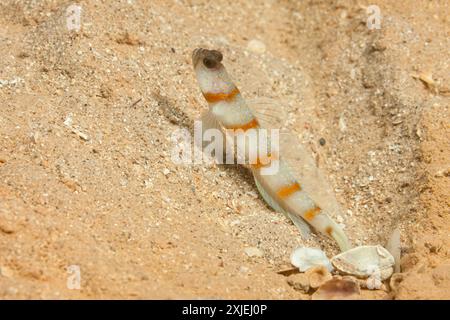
x=209 y=58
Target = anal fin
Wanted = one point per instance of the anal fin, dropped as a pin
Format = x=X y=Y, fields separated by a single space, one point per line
x=301 y=224
x=305 y=229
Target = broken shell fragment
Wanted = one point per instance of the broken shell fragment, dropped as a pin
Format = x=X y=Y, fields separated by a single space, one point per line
x=305 y=258
x=365 y=262
x=318 y=276
x=338 y=289
x=394 y=247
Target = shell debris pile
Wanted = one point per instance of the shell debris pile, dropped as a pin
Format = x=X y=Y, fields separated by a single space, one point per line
x=362 y=267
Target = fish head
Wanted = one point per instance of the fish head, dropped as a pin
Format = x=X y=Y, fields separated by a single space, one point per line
x=208 y=59
x=210 y=72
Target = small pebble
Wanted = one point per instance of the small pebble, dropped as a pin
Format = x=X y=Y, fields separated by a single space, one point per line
x=253 y=252
x=244 y=269
x=5 y=272
x=342 y=124
x=256 y=46
x=317 y=276
x=395 y=281
x=299 y=282
x=322 y=141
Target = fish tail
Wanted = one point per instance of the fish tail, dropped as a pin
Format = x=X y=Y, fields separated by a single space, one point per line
x=339 y=236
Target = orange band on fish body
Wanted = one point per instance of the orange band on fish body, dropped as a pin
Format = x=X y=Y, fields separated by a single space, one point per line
x=329 y=230
x=217 y=97
x=287 y=191
x=252 y=124
x=259 y=164
x=311 y=213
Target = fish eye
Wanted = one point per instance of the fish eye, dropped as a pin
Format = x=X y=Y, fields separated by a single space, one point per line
x=209 y=62
x=217 y=55
x=212 y=58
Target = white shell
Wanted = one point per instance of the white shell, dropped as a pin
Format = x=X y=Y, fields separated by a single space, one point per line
x=305 y=258
x=365 y=262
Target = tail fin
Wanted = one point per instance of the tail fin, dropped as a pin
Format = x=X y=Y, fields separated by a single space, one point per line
x=339 y=236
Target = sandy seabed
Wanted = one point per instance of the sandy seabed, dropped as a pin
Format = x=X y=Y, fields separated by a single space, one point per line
x=86 y=177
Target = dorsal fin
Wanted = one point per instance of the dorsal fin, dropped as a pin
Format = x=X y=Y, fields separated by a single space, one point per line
x=272 y=116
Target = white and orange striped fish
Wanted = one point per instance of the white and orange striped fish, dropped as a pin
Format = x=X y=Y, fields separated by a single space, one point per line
x=283 y=191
